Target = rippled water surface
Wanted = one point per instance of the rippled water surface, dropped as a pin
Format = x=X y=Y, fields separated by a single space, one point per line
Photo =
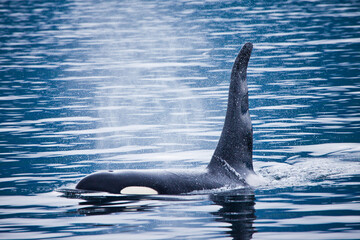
x=96 y=85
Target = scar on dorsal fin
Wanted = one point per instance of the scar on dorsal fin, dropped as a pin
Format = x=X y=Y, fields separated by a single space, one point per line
x=236 y=140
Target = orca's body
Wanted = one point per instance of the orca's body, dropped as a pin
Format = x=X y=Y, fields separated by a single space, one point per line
x=229 y=166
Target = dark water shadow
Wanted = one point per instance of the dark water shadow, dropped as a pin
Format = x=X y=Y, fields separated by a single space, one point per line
x=237 y=206
x=238 y=209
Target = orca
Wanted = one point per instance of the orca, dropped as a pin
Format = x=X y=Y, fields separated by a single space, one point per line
x=230 y=165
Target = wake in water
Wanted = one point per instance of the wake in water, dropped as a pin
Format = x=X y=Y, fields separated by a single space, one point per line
x=304 y=172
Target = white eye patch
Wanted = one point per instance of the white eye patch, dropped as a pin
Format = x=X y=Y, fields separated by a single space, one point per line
x=139 y=190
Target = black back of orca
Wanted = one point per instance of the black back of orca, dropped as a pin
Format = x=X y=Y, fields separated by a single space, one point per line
x=229 y=166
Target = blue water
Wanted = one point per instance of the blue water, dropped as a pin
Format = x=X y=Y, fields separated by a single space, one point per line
x=97 y=85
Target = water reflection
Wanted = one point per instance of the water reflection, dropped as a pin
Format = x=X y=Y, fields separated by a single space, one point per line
x=236 y=207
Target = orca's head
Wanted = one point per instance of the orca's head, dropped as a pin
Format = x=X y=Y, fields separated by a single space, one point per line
x=102 y=181
x=123 y=182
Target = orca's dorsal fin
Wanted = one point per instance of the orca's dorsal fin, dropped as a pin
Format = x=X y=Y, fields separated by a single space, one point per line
x=236 y=140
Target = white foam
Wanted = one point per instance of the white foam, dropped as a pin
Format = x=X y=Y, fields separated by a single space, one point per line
x=255 y=180
x=304 y=172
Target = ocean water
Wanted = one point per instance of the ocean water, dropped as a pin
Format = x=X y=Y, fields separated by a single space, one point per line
x=87 y=86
